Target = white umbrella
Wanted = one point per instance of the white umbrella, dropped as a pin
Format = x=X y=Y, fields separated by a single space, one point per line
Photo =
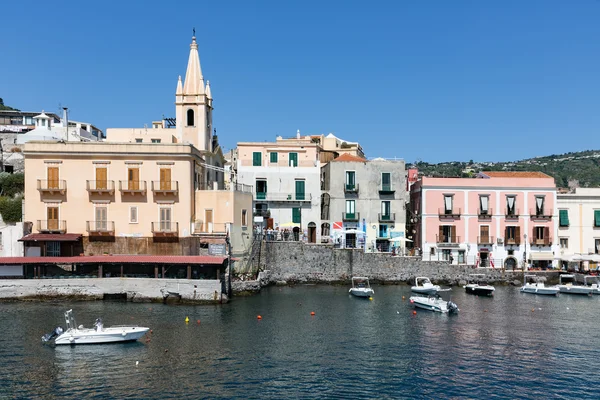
x=355 y=231
x=399 y=239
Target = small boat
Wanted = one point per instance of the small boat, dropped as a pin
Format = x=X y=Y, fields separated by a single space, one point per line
x=571 y=286
x=538 y=287
x=474 y=287
x=361 y=287
x=99 y=334
x=594 y=286
x=424 y=286
x=434 y=303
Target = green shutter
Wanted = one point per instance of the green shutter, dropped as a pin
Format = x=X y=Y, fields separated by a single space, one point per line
x=293 y=159
x=296 y=215
x=274 y=157
x=596 y=218
x=385 y=181
x=256 y=159
x=299 y=190
x=563 y=218
x=350 y=180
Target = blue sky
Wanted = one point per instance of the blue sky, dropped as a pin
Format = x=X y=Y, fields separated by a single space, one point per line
x=431 y=80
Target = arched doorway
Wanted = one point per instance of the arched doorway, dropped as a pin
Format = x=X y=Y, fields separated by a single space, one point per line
x=325 y=206
x=325 y=231
x=296 y=232
x=510 y=263
x=312 y=232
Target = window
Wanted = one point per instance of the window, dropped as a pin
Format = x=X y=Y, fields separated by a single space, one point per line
x=43 y=122
x=165 y=178
x=539 y=205
x=448 y=200
x=296 y=215
x=244 y=218
x=300 y=189
x=261 y=189
x=133 y=215
x=101 y=178
x=165 y=219
x=273 y=155
x=538 y=232
x=383 y=231
x=190 y=117
x=350 y=180
x=138 y=140
x=432 y=251
x=256 y=159
x=597 y=246
x=484 y=234
x=563 y=218
x=446 y=253
x=386 y=182
x=155 y=140
x=564 y=243
x=510 y=206
x=447 y=234
x=385 y=210
x=461 y=257
x=350 y=208
x=293 y=159
x=53 y=181
x=597 y=218
x=52 y=223
x=53 y=249
x=484 y=205
x=101 y=218
x=512 y=235
x=133 y=179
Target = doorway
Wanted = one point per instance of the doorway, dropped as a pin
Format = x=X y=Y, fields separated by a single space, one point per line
x=312 y=232
x=484 y=259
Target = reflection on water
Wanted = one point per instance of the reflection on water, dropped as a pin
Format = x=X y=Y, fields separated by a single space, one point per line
x=511 y=346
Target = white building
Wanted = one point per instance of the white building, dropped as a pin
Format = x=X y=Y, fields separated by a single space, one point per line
x=46 y=129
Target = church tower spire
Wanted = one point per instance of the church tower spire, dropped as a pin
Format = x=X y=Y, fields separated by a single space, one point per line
x=179 y=91
x=194 y=81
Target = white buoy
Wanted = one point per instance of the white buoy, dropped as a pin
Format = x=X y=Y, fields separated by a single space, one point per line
x=137 y=363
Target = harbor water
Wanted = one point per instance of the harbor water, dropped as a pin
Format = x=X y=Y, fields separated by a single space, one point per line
x=514 y=345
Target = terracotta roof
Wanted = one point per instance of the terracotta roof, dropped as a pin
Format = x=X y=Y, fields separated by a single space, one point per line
x=116 y=259
x=51 y=237
x=515 y=174
x=349 y=157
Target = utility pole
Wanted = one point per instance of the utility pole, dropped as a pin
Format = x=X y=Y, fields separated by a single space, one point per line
x=65 y=109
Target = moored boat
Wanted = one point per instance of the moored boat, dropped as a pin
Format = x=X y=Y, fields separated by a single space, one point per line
x=475 y=287
x=538 y=287
x=361 y=287
x=595 y=285
x=434 y=303
x=571 y=286
x=424 y=286
x=99 y=334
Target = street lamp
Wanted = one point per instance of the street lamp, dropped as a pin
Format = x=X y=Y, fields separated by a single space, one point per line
x=524 y=251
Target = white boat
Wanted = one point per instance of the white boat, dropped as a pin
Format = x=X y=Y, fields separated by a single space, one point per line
x=434 y=303
x=361 y=287
x=538 y=287
x=474 y=287
x=595 y=286
x=424 y=286
x=99 y=334
x=571 y=286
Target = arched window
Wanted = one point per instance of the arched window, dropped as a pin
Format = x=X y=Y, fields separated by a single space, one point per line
x=190 y=117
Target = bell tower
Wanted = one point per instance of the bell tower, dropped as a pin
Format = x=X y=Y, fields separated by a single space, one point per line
x=193 y=104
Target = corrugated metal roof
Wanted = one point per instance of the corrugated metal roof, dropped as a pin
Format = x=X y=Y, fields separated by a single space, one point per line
x=116 y=259
x=349 y=157
x=51 y=237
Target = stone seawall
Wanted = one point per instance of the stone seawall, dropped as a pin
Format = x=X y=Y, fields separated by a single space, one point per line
x=136 y=289
x=295 y=262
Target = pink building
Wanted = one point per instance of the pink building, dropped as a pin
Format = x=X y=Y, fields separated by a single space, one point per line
x=498 y=219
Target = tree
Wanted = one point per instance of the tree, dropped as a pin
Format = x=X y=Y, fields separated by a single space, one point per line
x=11 y=209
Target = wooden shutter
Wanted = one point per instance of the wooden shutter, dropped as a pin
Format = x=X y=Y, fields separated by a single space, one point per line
x=133 y=179
x=53 y=178
x=101 y=176
x=441 y=234
x=165 y=179
x=299 y=190
x=101 y=216
x=518 y=235
x=546 y=235
x=453 y=239
x=52 y=213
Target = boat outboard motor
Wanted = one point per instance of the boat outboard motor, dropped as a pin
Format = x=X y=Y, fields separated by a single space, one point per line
x=452 y=307
x=49 y=336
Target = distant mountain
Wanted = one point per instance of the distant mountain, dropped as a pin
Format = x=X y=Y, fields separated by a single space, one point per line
x=580 y=169
x=3 y=107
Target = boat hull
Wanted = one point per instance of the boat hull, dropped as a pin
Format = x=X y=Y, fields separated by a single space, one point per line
x=361 y=292
x=575 y=289
x=480 y=290
x=107 y=335
x=424 y=290
x=548 y=291
x=430 y=304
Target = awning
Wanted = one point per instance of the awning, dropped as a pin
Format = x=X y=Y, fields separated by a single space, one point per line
x=542 y=255
x=116 y=259
x=51 y=237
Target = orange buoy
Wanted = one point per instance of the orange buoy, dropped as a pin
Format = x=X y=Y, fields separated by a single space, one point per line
x=533 y=309
x=150 y=330
x=258 y=317
x=312 y=313
x=403 y=297
x=198 y=322
x=414 y=312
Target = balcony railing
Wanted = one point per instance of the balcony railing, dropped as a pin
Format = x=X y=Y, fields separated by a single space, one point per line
x=389 y=217
x=262 y=213
x=52 y=186
x=165 y=227
x=447 y=239
x=547 y=241
x=540 y=214
x=351 y=188
x=350 y=216
x=513 y=240
x=454 y=213
x=485 y=214
x=210 y=228
x=52 y=225
x=100 y=186
x=509 y=214
x=132 y=186
x=386 y=189
x=100 y=226
x=485 y=240
x=283 y=196
x=165 y=187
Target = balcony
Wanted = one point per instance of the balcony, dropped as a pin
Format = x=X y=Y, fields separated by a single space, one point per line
x=52 y=226
x=100 y=187
x=283 y=197
x=486 y=240
x=512 y=240
x=448 y=239
x=350 y=217
x=389 y=217
x=351 y=189
x=454 y=213
x=132 y=187
x=52 y=186
x=386 y=189
x=165 y=187
x=540 y=214
x=485 y=214
x=100 y=227
x=511 y=214
x=165 y=228
x=547 y=241
x=210 y=228
x=262 y=213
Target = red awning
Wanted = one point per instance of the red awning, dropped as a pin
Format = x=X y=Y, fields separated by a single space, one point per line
x=116 y=259
x=51 y=237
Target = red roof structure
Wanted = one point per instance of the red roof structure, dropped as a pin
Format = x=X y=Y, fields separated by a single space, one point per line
x=116 y=259
x=51 y=237
x=349 y=158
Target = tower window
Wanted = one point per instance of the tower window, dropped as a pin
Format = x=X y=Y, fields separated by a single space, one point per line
x=190 y=117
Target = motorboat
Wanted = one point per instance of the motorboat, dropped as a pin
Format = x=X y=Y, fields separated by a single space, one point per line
x=424 y=286
x=538 y=287
x=434 y=303
x=74 y=334
x=361 y=287
x=475 y=287
x=571 y=286
x=595 y=286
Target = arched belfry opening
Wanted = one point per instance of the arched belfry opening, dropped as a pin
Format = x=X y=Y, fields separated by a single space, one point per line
x=190 y=117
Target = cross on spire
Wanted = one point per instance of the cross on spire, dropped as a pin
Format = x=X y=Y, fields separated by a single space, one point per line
x=194 y=31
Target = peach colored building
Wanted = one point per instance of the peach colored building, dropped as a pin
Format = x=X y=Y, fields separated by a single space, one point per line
x=499 y=219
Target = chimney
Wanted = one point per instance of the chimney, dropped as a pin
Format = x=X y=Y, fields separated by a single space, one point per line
x=298 y=134
x=64 y=118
